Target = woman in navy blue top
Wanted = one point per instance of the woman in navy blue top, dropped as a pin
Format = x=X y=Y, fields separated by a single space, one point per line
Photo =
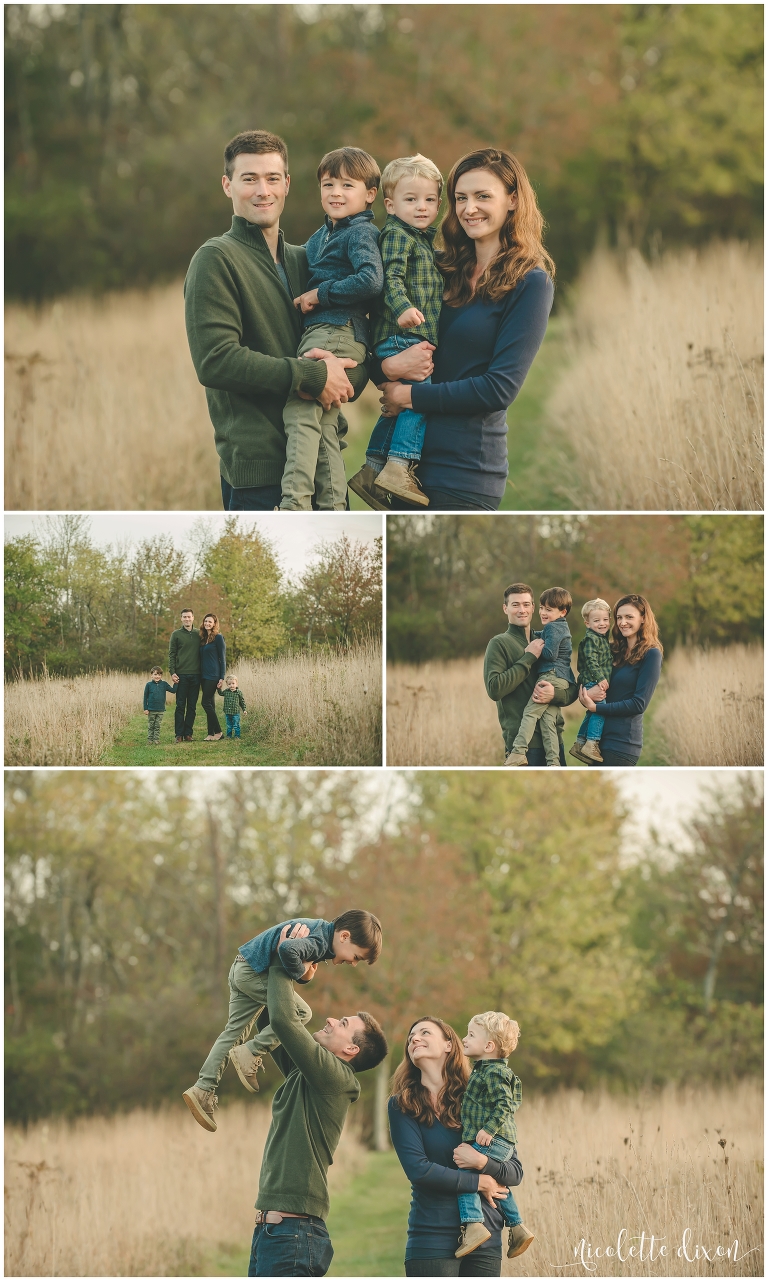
x=637 y=653
x=498 y=296
x=213 y=669
x=425 y=1124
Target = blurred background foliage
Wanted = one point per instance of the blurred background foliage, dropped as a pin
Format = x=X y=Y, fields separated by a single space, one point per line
x=446 y=575
x=640 y=125
x=126 y=898
x=72 y=606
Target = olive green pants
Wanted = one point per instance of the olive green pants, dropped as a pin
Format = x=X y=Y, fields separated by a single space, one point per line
x=313 y=462
x=545 y=715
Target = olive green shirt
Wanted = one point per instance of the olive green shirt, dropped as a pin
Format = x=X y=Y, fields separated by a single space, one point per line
x=184 y=652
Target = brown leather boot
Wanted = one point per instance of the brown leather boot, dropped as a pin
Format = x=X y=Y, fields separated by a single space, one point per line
x=363 y=483
x=398 y=478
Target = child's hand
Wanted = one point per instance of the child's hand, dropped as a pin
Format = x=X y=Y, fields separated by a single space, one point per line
x=484 y=1138
x=307 y=302
x=411 y=318
x=603 y=685
x=310 y=970
x=535 y=646
x=146 y=713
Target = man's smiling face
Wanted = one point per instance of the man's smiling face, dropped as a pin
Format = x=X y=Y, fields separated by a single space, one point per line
x=258 y=187
x=518 y=608
x=337 y=1035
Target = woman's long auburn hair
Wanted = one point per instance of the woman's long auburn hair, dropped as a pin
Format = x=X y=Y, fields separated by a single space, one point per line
x=520 y=236
x=207 y=637
x=413 y=1098
x=647 y=636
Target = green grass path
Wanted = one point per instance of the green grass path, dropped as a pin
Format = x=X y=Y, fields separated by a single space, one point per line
x=367 y=1224
x=131 y=747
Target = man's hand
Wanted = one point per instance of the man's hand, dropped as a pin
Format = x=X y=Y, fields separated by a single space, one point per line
x=411 y=318
x=543 y=693
x=310 y=970
x=490 y=1189
x=415 y=364
x=293 y=932
x=484 y=1138
x=307 y=302
x=338 y=389
x=535 y=646
x=467 y=1158
x=174 y=679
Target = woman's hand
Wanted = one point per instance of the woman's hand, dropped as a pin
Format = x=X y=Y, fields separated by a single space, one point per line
x=590 y=703
x=490 y=1189
x=415 y=363
x=466 y=1158
x=394 y=397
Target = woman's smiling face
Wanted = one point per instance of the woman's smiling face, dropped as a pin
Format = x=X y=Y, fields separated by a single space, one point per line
x=628 y=620
x=482 y=203
x=426 y=1043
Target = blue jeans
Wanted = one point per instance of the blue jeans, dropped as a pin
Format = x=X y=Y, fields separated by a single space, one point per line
x=592 y=725
x=400 y=437
x=470 y=1205
x=293 y=1248
x=233 y=725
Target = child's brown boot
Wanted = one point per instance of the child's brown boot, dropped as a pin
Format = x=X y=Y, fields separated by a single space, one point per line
x=577 y=748
x=472 y=1235
x=590 y=751
x=201 y=1104
x=363 y=483
x=519 y=1240
x=398 y=478
x=246 y=1065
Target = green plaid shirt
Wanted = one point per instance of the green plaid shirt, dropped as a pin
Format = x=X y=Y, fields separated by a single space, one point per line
x=411 y=279
x=492 y=1097
x=595 y=662
x=233 y=701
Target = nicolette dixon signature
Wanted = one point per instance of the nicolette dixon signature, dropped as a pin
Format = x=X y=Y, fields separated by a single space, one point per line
x=648 y=1248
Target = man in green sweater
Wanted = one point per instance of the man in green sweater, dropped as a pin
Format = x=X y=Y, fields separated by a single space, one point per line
x=308 y=1114
x=510 y=676
x=244 y=329
x=184 y=669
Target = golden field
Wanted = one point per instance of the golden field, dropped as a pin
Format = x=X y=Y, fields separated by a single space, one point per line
x=661 y=403
x=712 y=711
x=153 y=1194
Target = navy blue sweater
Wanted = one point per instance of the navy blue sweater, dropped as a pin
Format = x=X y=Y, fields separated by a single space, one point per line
x=556 y=654
x=213 y=661
x=484 y=352
x=345 y=269
x=426 y=1155
x=629 y=693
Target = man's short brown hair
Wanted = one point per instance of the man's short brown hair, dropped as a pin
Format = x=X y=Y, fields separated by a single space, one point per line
x=364 y=931
x=556 y=598
x=517 y=589
x=372 y=1042
x=254 y=142
x=350 y=162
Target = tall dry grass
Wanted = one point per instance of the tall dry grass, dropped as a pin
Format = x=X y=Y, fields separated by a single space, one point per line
x=326 y=704
x=68 y=721
x=662 y=400
x=147 y=1194
x=712 y=710
x=439 y=714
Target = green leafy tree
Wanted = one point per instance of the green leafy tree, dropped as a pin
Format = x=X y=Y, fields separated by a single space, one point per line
x=29 y=602
x=242 y=562
x=338 y=599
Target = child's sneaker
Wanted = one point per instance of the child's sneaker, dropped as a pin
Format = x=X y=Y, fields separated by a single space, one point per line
x=577 y=748
x=590 y=751
x=519 y=1240
x=246 y=1065
x=201 y=1104
x=363 y=483
x=516 y=758
x=398 y=478
x=472 y=1235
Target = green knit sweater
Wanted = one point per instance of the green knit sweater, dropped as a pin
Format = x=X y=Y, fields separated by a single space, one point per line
x=184 y=652
x=243 y=332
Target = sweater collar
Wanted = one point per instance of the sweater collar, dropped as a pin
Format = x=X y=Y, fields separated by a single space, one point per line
x=428 y=233
x=365 y=214
x=252 y=235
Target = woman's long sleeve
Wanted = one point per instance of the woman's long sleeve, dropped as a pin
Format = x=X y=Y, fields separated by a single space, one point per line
x=409 y=1146
x=648 y=674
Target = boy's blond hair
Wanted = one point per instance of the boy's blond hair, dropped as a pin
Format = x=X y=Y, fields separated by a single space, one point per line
x=598 y=603
x=417 y=166
x=500 y=1028
x=231 y=678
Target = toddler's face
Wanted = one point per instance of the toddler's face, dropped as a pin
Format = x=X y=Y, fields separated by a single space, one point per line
x=415 y=201
x=231 y=684
x=599 y=621
x=475 y=1041
x=342 y=197
x=548 y=614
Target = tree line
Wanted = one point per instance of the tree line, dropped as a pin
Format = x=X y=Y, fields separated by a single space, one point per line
x=72 y=606
x=126 y=899
x=446 y=576
x=639 y=124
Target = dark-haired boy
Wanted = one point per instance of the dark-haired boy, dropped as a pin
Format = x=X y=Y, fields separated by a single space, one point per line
x=155 y=691
x=345 y=275
x=354 y=936
x=555 y=668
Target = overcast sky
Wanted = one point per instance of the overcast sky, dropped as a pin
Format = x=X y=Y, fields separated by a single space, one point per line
x=294 y=535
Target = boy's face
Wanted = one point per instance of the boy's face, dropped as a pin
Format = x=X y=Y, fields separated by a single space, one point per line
x=599 y=620
x=232 y=684
x=477 y=1044
x=415 y=201
x=157 y=676
x=345 y=951
x=342 y=197
x=548 y=613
